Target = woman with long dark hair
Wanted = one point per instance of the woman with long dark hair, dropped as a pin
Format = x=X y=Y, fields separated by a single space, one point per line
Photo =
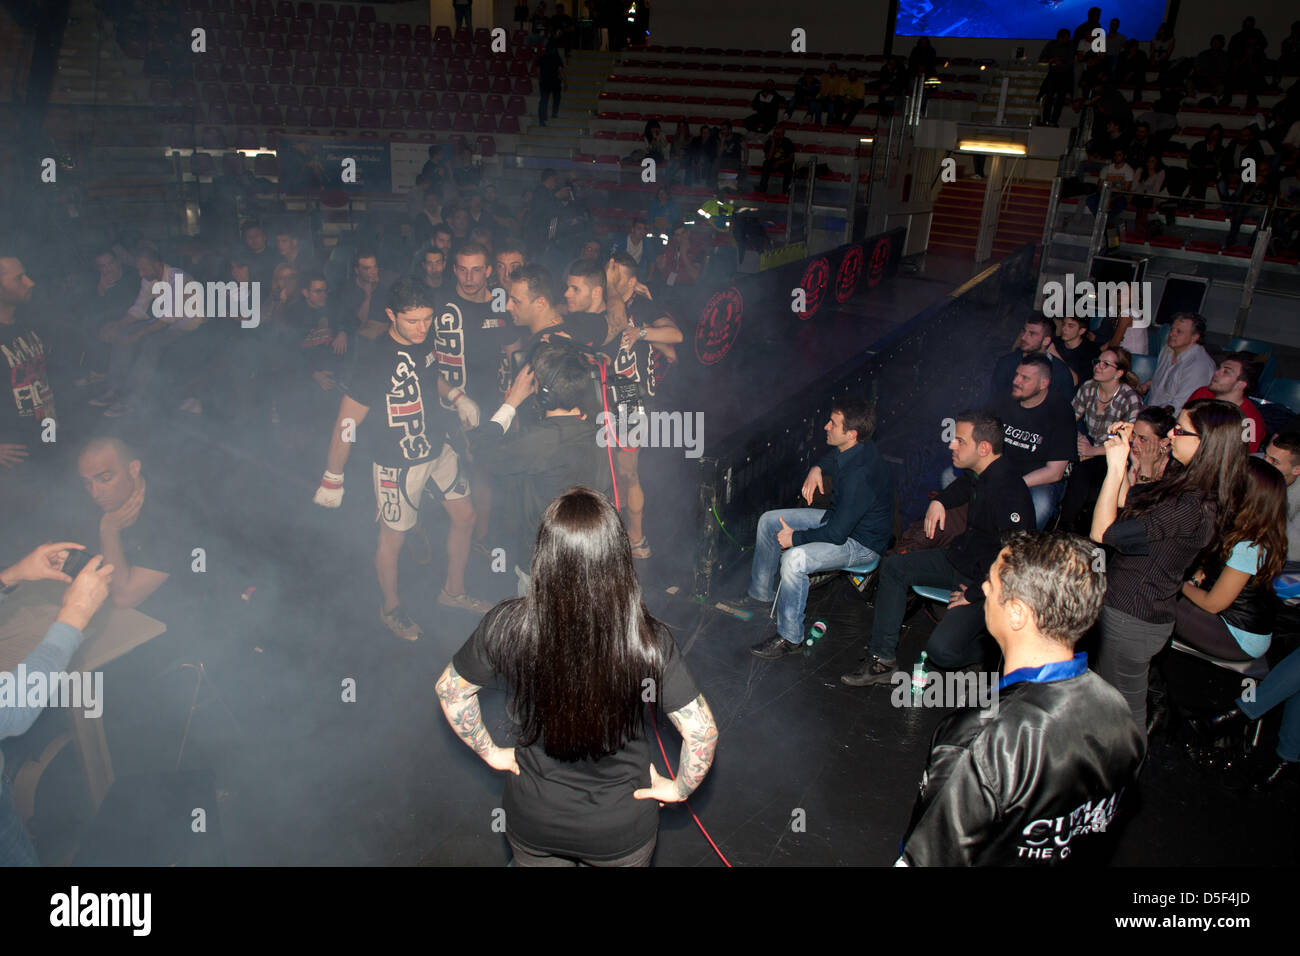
x=1227 y=611
x=1151 y=445
x=580 y=656
x=1156 y=531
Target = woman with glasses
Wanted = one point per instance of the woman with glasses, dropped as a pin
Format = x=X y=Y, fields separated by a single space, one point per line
x=580 y=656
x=1154 y=532
x=1102 y=401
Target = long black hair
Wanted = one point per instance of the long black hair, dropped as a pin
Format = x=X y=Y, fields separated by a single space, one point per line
x=578 y=651
x=1216 y=472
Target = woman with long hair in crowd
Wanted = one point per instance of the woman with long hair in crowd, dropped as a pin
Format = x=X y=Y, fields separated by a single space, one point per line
x=1155 y=532
x=580 y=656
x=1228 y=609
x=1102 y=401
x=1151 y=445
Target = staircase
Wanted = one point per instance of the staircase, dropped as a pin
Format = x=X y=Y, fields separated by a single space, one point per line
x=954 y=228
x=586 y=72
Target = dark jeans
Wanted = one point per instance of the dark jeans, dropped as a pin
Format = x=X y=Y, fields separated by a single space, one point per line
x=1055 y=94
x=786 y=169
x=554 y=94
x=956 y=639
x=1127 y=646
x=462 y=12
x=523 y=857
x=1080 y=496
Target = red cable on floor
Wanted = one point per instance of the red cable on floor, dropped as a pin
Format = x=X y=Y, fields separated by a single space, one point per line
x=669 y=764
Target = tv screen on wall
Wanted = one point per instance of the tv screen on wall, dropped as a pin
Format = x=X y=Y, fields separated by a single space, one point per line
x=1022 y=20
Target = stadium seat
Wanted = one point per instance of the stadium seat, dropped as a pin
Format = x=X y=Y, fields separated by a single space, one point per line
x=1284 y=391
x=1258 y=347
x=1144 y=366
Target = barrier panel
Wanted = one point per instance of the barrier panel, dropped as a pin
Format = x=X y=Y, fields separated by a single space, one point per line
x=919 y=374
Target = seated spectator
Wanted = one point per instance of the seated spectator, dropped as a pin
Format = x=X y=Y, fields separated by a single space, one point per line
x=1120 y=329
x=853 y=96
x=1103 y=147
x=360 y=303
x=679 y=153
x=1281 y=686
x=1204 y=162
x=1227 y=609
x=1183 y=366
x=1151 y=184
x=113 y=293
x=1140 y=147
x=1255 y=199
x=806 y=89
x=533 y=466
x=1233 y=380
x=1073 y=347
x=986 y=797
x=778 y=157
x=680 y=263
x=1106 y=398
x=1039 y=434
x=141 y=338
x=139 y=534
x=798 y=542
x=828 y=96
x=998 y=501
x=890 y=86
x=1121 y=177
x=766 y=105
x=1151 y=445
x=82 y=599
x=261 y=257
x=1131 y=67
x=1210 y=67
x=1283 y=453
x=1231 y=163
x=293 y=251
x=656 y=143
x=313 y=342
x=1035 y=339
x=662 y=211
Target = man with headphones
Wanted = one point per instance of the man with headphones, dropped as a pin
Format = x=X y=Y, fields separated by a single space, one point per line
x=540 y=463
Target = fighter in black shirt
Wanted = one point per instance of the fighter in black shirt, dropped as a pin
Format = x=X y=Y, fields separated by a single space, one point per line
x=396 y=375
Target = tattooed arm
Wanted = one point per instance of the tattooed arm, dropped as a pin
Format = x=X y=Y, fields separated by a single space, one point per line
x=699 y=740
x=459 y=699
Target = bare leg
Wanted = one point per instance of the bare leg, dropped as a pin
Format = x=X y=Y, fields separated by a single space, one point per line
x=390 y=546
x=634 y=497
x=461 y=512
x=482 y=503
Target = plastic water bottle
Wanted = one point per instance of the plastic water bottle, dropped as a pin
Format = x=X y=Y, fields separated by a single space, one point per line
x=816 y=632
x=920 y=676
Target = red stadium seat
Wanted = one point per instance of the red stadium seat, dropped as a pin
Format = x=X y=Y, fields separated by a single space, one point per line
x=369 y=119
x=463 y=123
x=381 y=99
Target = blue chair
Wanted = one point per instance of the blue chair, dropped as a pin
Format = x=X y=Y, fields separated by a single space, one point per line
x=1259 y=347
x=1144 y=366
x=1285 y=391
x=1156 y=336
x=932 y=594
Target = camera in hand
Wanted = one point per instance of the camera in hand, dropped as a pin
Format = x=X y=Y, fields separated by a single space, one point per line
x=75 y=561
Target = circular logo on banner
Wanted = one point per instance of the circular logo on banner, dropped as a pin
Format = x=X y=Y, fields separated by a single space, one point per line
x=879 y=261
x=814 y=282
x=846 y=280
x=719 y=326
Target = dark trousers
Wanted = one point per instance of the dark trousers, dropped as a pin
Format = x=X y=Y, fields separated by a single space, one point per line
x=1206 y=632
x=1080 y=497
x=554 y=94
x=462 y=12
x=786 y=169
x=956 y=640
x=1055 y=94
x=525 y=857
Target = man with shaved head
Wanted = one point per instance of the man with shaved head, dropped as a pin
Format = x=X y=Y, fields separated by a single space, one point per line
x=137 y=532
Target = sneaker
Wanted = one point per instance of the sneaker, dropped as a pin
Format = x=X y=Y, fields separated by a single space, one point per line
x=105 y=400
x=774 y=648
x=464 y=602
x=400 y=623
x=746 y=603
x=874 y=671
x=641 y=550
x=117 y=410
x=90 y=378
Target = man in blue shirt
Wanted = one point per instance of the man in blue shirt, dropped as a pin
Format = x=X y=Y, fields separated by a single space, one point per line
x=799 y=542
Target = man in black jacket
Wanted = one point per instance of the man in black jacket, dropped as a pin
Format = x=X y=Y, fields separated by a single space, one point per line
x=799 y=542
x=533 y=467
x=988 y=800
x=998 y=501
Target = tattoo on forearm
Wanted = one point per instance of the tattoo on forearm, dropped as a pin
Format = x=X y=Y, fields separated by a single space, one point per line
x=460 y=703
x=699 y=740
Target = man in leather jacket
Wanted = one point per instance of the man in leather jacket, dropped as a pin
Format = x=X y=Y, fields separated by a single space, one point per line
x=1040 y=783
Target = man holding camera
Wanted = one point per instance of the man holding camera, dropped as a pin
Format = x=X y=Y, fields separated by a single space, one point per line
x=537 y=465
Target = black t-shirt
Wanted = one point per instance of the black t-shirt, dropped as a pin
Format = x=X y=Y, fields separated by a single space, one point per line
x=112 y=305
x=28 y=400
x=583 y=808
x=1079 y=359
x=470 y=339
x=1034 y=436
x=405 y=425
x=159 y=540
